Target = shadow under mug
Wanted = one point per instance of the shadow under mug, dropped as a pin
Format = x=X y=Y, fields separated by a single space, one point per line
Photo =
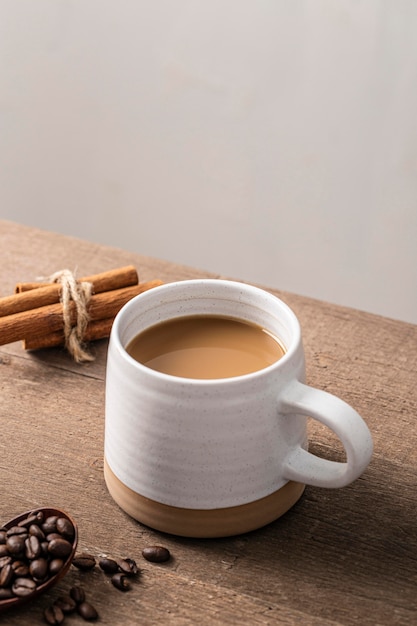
x=219 y=457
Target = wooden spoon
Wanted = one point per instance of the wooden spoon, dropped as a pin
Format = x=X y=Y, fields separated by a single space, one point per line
x=8 y=603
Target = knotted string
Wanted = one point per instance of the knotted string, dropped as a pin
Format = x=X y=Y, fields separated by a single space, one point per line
x=79 y=293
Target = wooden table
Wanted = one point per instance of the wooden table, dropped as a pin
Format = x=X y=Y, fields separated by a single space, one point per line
x=346 y=556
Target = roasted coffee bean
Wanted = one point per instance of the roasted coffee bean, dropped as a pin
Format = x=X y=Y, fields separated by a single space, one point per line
x=23 y=587
x=3 y=536
x=156 y=554
x=59 y=548
x=53 y=615
x=6 y=593
x=87 y=611
x=55 y=566
x=16 y=544
x=33 y=518
x=120 y=581
x=84 y=561
x=6 y=575
x=109 y=566
x=127 y=566
x=49 y=525
x=65 y=528
x=36 y=531
x=16 y=530
x=38 y=569
x=5 y=560
x=77 y=594
x=132 y=566
x=20 y=568
x=32 y=547
x=66 y=604
x=4 y=551
x=51 y=536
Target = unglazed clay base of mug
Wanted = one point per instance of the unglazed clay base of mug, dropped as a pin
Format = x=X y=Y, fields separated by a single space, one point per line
x=200 y=523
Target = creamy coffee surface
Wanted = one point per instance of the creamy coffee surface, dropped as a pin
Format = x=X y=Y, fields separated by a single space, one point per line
x=205 y=347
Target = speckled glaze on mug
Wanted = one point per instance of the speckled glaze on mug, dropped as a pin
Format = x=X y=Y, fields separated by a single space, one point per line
x=218 y=457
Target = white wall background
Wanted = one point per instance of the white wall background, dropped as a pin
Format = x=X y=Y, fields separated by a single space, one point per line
x=270 y=140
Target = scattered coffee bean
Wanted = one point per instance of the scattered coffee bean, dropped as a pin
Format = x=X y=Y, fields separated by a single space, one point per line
x=66 y=604
x=120 y=581
x=132 y=566
x=87 y=611
x=109 y=566
x=84 y=561
x=77 y=594
x=54 y=615
x=156 y=554
x=127 y=566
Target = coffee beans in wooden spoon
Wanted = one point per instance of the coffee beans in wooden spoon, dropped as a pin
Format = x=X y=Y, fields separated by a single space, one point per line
x=36 y=551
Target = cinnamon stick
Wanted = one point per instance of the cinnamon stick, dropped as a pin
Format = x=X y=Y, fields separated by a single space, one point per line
x=104 y=281
x=21 y=287
x=48 y=319
x=97 y=329
x=26 y=299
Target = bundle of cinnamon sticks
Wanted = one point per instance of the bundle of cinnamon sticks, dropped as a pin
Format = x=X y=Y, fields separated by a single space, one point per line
x=34 y=313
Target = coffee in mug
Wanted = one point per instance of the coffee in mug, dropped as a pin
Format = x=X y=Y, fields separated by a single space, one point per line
x=203 y=346
x=221 y=452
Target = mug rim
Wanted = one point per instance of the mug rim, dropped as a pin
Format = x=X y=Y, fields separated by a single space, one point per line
x=151 y=293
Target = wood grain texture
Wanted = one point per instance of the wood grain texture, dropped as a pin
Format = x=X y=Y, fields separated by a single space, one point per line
x=339 y=557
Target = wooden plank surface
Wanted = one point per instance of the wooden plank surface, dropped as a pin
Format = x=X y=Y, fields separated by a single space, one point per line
x=346 y=556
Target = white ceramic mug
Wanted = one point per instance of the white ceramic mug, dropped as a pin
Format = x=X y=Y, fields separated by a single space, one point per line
x=218 y=457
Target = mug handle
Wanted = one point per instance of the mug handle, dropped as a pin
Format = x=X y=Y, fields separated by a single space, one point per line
x=344 y=421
